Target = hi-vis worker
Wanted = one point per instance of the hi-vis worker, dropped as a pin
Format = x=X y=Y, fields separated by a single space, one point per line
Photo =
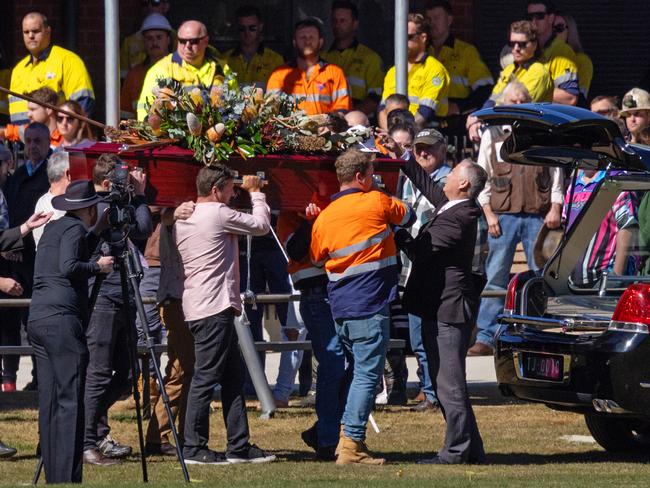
x=353 y=239
x=471 y=80
x=428 y=80
x=50 y=66
x=362 y=66
x=294 y=231
x=321 y=85
x=251 y=59
x=190 y=65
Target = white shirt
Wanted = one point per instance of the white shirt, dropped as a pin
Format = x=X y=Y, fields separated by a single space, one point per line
x=451 y=203
x=44 y=204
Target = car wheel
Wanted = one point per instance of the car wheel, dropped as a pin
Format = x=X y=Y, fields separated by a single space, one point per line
x=619 y=434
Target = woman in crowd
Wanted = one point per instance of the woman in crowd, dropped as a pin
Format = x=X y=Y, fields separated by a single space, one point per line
x=74 y=131
x=565 y=28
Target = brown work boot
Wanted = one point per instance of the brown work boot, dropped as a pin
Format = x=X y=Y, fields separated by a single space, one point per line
x=480 y=349
x=341 y=436
x=355 y=452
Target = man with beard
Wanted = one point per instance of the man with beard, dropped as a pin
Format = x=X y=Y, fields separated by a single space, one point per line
x=322 y=85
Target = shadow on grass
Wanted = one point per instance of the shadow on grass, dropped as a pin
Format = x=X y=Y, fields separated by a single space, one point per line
x=524 y=458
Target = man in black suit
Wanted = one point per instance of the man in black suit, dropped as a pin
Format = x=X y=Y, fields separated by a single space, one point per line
x=443 y=291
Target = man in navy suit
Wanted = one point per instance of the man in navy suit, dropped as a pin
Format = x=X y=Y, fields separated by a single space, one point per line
x=444 y=292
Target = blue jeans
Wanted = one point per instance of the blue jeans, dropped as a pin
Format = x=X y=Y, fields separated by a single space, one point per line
x=415 y=336
x=289 y=360
x=365 y=340
x=332 y=382
x=515 y=228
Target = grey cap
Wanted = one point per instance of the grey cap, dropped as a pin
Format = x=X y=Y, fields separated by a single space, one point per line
x=155 y=22
x=429 y=137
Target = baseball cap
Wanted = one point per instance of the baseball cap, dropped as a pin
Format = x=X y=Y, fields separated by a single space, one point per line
x=155 y=22
x=429 y=137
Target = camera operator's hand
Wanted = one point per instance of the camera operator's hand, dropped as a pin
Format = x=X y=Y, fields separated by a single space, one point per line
x=11 y=287
x=252 y=183
x=105 y=264
x=184 y=211
x=139 y=179
x=35 y=221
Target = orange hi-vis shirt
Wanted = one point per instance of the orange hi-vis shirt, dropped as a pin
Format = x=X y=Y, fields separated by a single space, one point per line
x=326 y=89
x=353 y=239
x=303 y=272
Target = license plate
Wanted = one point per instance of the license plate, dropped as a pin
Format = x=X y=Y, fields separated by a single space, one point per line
x=547 y=367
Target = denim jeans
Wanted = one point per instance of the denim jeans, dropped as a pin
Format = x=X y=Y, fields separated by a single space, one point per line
x=515 y=228
x=365 y=340
x=415 y=336
x=332 y=382
x=148 y=288
x=289 y=360
x=108 y=376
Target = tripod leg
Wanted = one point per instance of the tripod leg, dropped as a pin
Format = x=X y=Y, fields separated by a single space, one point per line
x=134 y=362
x=132 y=276
x=37 y=472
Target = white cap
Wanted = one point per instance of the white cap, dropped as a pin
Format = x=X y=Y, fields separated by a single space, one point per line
x=155 y=22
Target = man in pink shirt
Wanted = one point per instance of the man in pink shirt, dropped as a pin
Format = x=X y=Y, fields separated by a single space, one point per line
x=207 y=243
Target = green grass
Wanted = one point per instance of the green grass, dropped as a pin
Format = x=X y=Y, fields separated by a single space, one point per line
x=523 y=443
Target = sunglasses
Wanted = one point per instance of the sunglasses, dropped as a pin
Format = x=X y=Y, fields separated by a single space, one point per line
x=413 y=37
x=536 y=15
x=519 y=44
x=559 y=28
x=62 y=118
x=192 y=42
x=249 y=28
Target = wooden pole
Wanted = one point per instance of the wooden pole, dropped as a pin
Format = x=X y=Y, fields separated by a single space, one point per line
x=52 y=107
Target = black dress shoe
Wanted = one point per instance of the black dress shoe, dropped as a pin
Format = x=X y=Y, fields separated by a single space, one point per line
x=162 y=449
x=326 y=453
x=426 y=406
x=95 y=457
x=434 y=460
x=310 y=437
x=6 y=451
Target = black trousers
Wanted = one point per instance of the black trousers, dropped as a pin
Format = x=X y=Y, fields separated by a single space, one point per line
x=109 y=367
x=61 y=354
x=446 y=348
x=218 y=361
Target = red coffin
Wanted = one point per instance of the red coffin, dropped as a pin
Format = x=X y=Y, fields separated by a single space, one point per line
x=292 y=179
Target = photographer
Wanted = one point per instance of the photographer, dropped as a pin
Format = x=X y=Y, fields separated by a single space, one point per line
x=58 y=317
x=109 y=367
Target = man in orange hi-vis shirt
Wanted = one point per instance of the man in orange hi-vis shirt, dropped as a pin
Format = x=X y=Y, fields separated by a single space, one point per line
x=322 y=86
x=353 y=239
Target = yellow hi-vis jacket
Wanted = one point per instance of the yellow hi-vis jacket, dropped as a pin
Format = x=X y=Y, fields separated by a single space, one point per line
x=256 y=70
x=210 y=73
x=428 y=87
x=363 y=69
x=56 y=68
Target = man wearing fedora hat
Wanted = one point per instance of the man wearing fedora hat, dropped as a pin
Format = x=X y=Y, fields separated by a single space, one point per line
x=56 y=329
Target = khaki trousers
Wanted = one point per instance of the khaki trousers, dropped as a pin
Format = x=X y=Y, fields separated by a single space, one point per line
x=178 y=374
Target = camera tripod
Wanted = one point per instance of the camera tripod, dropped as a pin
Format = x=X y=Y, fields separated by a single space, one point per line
x=128 y=264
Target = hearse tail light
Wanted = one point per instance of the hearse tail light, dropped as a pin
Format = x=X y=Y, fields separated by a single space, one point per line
x=632 y=313
x=511 y=292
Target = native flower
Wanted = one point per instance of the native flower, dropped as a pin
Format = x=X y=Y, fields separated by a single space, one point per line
x=193 y=124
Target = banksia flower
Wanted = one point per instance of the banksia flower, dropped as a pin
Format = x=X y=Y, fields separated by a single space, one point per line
x=196 y=97
x=193 y=124
x=215 y=133
x=309 y=143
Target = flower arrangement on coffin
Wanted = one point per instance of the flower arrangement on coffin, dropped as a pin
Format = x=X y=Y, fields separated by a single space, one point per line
x=219 y=122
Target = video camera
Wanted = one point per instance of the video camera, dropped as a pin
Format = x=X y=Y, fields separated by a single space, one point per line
x=121 y=214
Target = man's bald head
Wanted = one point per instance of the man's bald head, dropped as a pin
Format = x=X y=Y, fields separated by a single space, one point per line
x=192 y=42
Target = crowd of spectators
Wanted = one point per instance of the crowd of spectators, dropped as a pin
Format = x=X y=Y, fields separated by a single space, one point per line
x=543 y=61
